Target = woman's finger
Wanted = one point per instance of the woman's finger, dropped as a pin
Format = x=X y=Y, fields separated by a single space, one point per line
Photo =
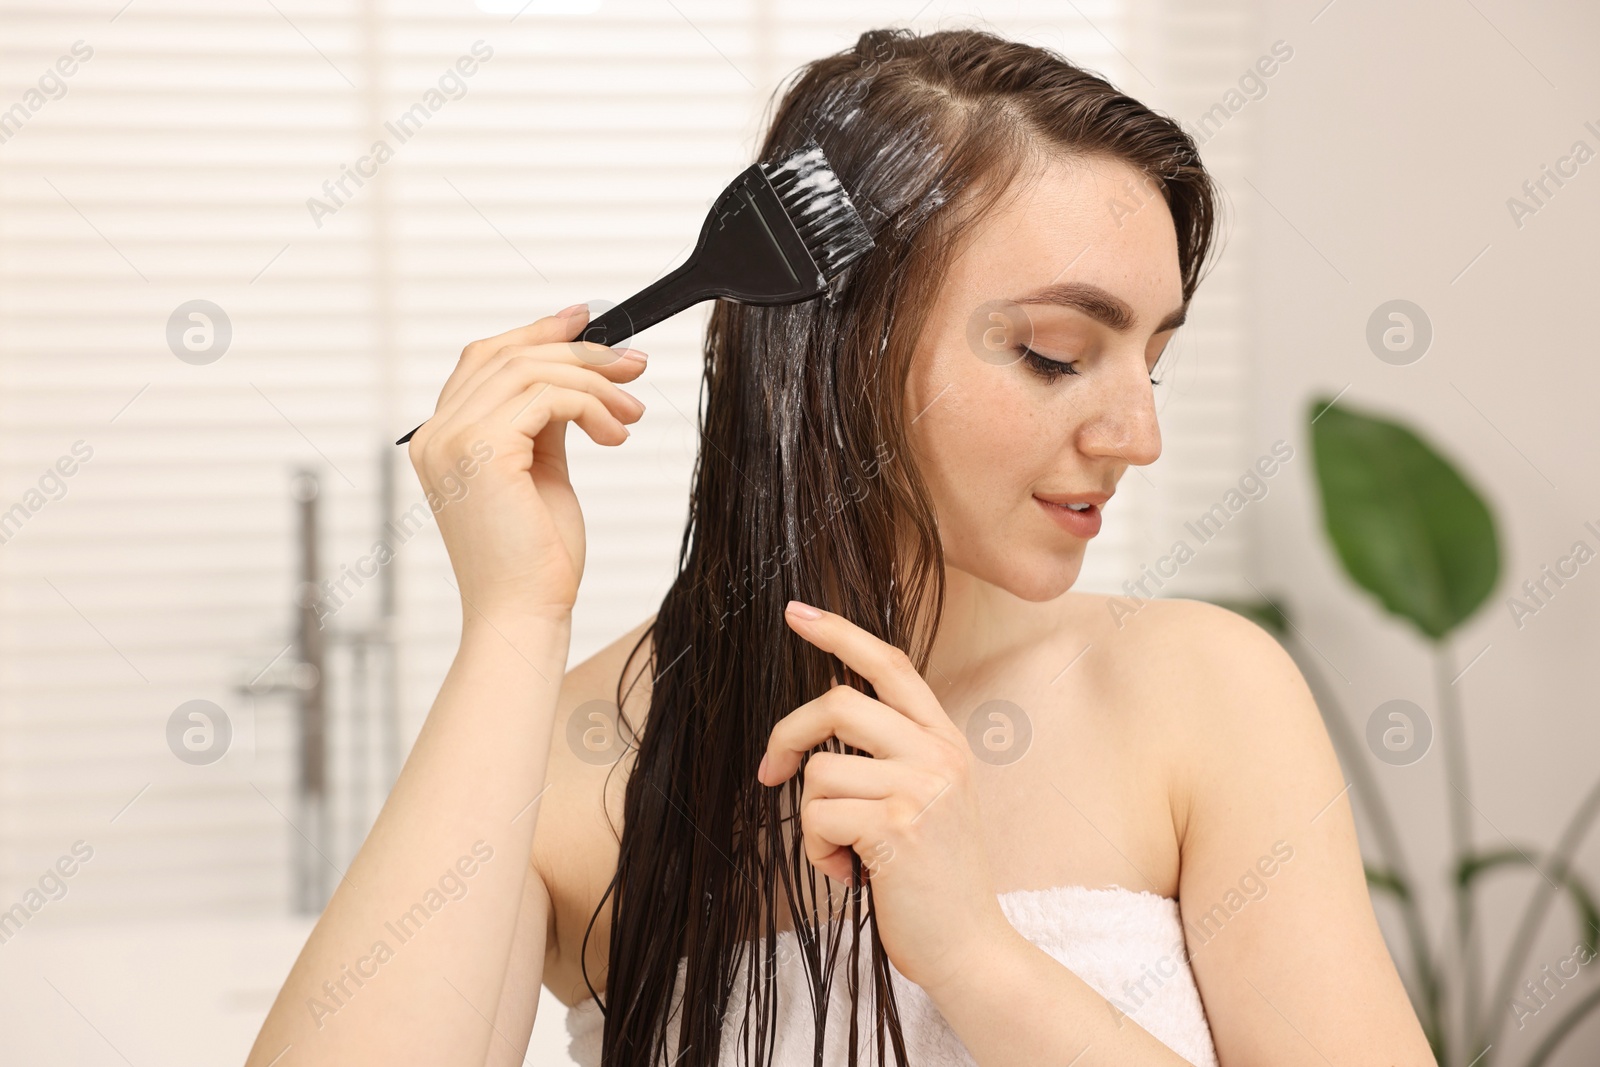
x=844 y=774
x=542 y=405
x=514 y=377
x=844 y=712
x=548 y=330
x=617 y=364
x=833 y=827
x=537 y=331
x=613 y=364
x=901 y=792
x=890 y=670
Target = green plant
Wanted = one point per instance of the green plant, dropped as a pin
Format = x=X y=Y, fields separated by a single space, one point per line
x=1411 y=530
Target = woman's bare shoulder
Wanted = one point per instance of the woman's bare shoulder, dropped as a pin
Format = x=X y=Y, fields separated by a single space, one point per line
x=1166 y=644
x=1230 y=694
x=1185 y=666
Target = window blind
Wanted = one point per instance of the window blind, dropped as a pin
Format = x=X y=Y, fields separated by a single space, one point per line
x=212 y=278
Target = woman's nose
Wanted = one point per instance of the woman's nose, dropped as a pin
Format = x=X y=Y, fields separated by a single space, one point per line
x=1120 y=420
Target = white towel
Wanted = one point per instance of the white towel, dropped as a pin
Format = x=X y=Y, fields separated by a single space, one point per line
x=1127 y=945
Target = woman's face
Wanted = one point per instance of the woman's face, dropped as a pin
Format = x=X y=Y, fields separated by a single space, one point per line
x=1081 y=267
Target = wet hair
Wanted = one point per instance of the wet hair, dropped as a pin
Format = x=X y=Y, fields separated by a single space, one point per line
x=803 y=488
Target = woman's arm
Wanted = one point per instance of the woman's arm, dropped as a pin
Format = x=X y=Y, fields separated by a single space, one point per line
x=408 y=959
x=574 y=845
x=519 y=991
x=1285 y=947
x=1015 y=1005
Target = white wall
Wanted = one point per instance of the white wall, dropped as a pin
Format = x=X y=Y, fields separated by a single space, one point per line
x=1376 y=166
x=1388 y=148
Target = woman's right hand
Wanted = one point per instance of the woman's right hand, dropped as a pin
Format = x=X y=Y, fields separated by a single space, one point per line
x=493 y=461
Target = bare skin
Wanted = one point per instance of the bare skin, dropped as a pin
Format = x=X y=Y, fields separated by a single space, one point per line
x=1171 y=750
x=1100 y=759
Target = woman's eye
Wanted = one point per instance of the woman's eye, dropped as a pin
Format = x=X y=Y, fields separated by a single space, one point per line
x=1051 y=369
x=1044 y=366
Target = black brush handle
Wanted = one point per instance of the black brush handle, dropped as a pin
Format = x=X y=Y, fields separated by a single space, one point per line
x=749 y=251
x=745 y=247
x=657 y=301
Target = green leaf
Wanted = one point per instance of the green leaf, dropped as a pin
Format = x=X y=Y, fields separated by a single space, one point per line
x=1471 y=867
x=1379 y=878
x=1406 y=525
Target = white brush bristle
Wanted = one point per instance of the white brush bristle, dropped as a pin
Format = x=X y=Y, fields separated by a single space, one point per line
x=820 y=208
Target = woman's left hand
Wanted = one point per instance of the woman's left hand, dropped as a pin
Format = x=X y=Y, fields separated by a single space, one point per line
x=909 y=810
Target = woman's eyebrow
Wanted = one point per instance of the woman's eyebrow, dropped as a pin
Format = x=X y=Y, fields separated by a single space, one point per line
x=1098 y=305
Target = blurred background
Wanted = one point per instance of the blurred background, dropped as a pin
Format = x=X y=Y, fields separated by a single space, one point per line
x=242 y=244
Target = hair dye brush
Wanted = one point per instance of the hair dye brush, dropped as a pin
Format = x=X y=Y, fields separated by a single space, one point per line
x=777 y=234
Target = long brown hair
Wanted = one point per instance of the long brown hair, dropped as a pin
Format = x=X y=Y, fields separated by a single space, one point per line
x=804 y=489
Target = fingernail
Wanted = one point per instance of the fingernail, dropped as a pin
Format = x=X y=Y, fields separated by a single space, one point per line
x=803 y=610
x=761 y=771
x=567 y=313
x=634 y=353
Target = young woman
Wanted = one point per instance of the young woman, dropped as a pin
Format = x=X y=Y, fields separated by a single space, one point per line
x=952 y=813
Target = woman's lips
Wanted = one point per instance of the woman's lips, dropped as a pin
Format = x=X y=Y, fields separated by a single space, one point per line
x=1084 y=524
